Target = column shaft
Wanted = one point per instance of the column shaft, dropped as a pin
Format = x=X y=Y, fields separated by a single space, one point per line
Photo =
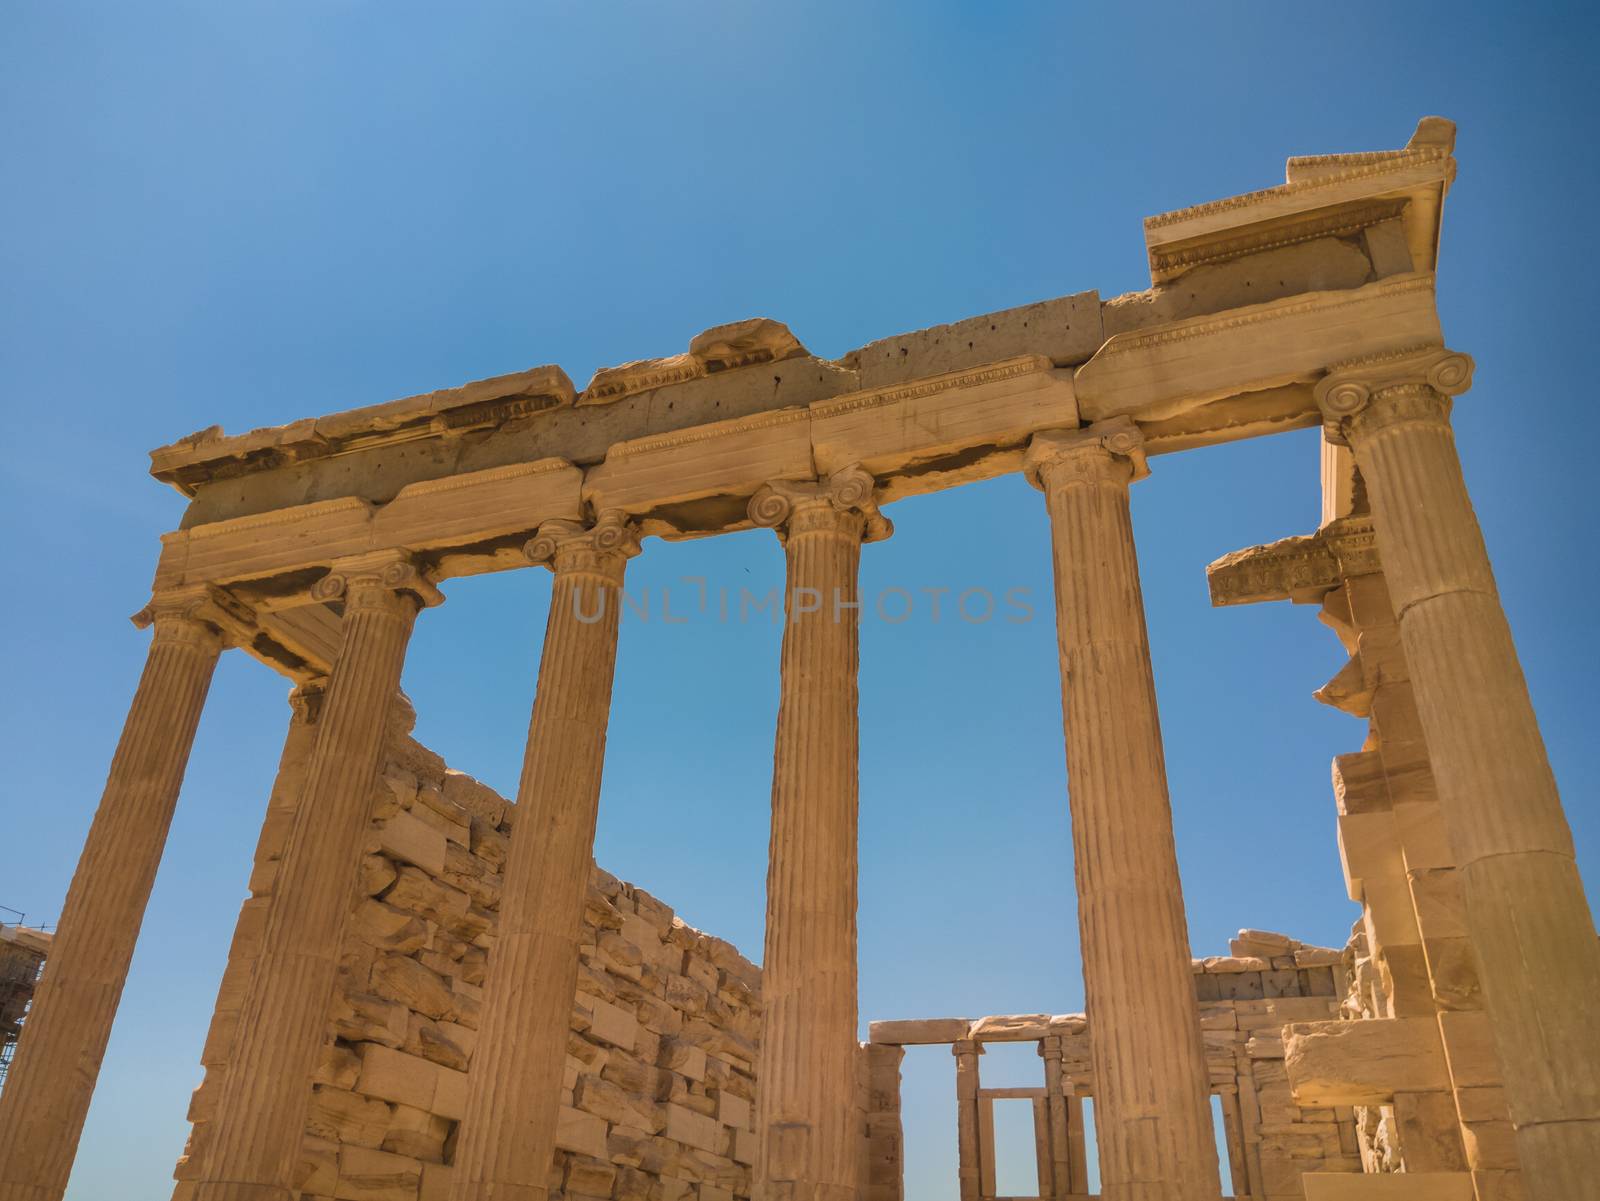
x=1057 y=1182
x=1529 y=921
x=514 y=1083
x=805 y=1139
x=969 y=1154
x=260 y=1121
x=58 y=1058
x=1152 y=1109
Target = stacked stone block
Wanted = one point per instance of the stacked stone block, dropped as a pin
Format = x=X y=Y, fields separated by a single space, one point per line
x=883 y=1151
x=656 y=1104
x=1246 y=998
x=1244 y=1002
x=1410 y=955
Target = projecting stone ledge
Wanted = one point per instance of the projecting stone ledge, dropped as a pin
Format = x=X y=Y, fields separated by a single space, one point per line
x=1363 y=1063
x=925 y=1032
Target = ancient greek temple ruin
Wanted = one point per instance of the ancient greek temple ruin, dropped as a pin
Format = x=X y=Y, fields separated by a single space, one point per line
x=433 y=994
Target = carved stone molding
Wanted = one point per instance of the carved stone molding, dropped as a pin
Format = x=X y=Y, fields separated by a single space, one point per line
x=1056 y=457
x=797 y=506
x=201 y=614
x=1301 y=568
x=1410 y=385
x=306 y=701
x=602 y=546
x=364 y=579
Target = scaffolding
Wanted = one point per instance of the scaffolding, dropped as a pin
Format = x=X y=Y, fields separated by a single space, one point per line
x=23 y=950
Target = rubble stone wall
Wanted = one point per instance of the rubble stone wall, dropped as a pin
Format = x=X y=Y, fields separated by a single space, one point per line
x=1246 y=998
x=657 y=1099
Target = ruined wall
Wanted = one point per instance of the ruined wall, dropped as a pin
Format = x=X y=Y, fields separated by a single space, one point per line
x=1246 y=998
x=22 y=954
x=656 y=1102
x=1422 y=1071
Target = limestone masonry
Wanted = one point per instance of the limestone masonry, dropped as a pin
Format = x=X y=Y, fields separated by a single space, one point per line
x=433 y=993
x=658 y=1080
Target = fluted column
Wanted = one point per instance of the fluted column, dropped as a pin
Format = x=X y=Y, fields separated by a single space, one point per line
x=806 y=1145
x=1152 y=1107
x=1529 y=922
x=514 y=1082
x=57 y=1060
x=261 y=1114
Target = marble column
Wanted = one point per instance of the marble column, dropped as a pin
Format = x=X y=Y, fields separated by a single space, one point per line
x=508 y=1133
x=57 y=1060
x=1529 y=922
x=806 y=1143
x=1152 y=1095
x=1060 y=1159
x=969 y=1154
x=254 y=1144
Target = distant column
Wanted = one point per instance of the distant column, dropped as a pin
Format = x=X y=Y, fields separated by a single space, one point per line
x=255 y=1140
x=1056 y=1140
x=969 y=1152
x=57 y=1059
x=806 y=1147
x=1152 y=1096
x=514 y=1082
x=1526 y=912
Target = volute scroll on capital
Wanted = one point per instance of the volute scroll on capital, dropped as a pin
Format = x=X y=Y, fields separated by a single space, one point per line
x=1412 y=385
x=375 y=579
x=603 y=545
x=1114 y=445
x=788 y=506
x=199 y=614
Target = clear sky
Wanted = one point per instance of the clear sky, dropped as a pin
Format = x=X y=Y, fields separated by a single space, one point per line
x=249 y=213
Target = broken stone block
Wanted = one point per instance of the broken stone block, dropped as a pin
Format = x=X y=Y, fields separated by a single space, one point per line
x=1363 y=1063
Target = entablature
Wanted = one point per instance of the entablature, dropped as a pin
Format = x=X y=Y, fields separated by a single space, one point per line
x=1255 y=298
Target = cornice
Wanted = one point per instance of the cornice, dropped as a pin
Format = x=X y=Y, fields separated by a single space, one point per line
x=1300 y=568
x=1172 y=259
x=873 y=398
x=276 y=517
x=1375 y=166
x=704 y=433
x=491 y=475
x=1274 y=310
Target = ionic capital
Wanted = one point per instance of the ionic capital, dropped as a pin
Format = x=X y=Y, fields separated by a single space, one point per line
x=1109 y=449
x=843 y=502
x=601 y=547
x=377 y=580
x=1413 y=385
x=200 y=615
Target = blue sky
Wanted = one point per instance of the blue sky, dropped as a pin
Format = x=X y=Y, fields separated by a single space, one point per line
x=248 y=213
